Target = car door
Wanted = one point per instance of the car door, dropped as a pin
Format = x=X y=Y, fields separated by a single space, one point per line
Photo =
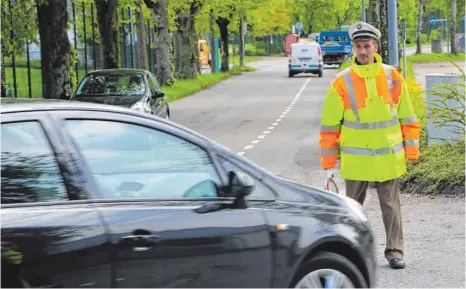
x=157 y=103
x=154 y=179
x=50 y=236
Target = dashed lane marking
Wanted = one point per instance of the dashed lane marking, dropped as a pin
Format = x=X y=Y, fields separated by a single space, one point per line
x=276 y=122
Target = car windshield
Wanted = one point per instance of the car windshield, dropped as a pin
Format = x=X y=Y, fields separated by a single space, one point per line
x=112 y=84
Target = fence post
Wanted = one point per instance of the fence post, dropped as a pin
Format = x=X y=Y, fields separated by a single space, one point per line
x=148 y=45
x=124 y=35
x=130 y=12
x=13 y=60
x=85 y=36
x=28 y=59
x=76 y=67
x=93 y=38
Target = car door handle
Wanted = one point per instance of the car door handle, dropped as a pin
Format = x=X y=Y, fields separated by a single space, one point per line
x=141 y=243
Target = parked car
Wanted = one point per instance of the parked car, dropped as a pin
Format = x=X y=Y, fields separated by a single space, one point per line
x=133 y=88
x=306 y=57
x=102 y=196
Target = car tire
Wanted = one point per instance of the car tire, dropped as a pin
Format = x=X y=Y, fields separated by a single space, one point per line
x=321 y=73
x=329 y=263
x=290 y=73
x=167 y=115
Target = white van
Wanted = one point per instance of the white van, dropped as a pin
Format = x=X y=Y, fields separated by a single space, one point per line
x=306 y=58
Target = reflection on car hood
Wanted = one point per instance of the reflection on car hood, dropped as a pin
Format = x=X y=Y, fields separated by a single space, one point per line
x=119 y=100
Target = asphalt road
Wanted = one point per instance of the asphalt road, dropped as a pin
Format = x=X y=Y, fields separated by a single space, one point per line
x=274 y=121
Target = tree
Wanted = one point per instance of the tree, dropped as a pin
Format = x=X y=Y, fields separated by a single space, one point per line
x=141 y=33
x=55 y=48
x=185 y=38
x=453 y=27
x=384 y=31
x=163 y=61
x=109 y=34
x=419 y=28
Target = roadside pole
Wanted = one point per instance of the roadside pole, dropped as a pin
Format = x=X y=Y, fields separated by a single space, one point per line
x=392 y=33
x=404 y=49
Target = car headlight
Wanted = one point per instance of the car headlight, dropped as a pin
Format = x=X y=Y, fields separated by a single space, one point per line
x=356 y=208
x=140 y=106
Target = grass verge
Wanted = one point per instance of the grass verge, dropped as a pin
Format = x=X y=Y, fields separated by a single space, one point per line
x=440 y=168
x=183 y=88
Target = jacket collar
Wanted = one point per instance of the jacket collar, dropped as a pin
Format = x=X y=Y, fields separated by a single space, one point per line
x=367 y=70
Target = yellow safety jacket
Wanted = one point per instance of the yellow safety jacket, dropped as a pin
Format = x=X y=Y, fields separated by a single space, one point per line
x=369 y=118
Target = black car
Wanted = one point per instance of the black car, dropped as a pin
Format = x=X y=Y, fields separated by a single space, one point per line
x=102 y=196
x=137 y=89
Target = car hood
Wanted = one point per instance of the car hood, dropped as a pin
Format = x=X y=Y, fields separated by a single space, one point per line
x=119 y=100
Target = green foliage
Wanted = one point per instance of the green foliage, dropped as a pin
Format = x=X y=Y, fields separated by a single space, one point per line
x=186 y=87
x=24 y=26
x=440 y=168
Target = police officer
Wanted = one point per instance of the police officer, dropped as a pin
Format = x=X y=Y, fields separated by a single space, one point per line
x=368 y=118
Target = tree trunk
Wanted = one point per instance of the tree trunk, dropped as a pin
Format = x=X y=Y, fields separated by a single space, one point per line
x=241 y=41
x=223 y=26
x=2 y=80
x=55 y=48
x=419 y=28
x=187 y=64
x=453 y=27
x=143 y=60
x=213 y=62
x=373 y=13
x=109 y=32
x=384 y=31
x=162 y=42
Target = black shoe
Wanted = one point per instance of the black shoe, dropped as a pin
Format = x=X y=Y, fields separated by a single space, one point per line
x=397 y=263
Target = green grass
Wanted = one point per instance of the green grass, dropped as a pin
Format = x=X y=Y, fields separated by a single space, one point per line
x=436 y=57
x=22 y=81
x=186 y=87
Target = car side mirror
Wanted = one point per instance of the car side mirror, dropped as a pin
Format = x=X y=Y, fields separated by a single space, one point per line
x=239 y=186
x=158 y=94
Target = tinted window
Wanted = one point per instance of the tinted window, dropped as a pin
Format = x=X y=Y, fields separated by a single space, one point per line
x=131 y=161
x=261 y=191
x=30 y=172
x=112 y=84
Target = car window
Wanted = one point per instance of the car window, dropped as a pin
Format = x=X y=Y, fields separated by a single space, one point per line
x=261 y=191
x=30 y=172
x=151 y=85
x=112 y=84
x=154 y=81
x=132 y=161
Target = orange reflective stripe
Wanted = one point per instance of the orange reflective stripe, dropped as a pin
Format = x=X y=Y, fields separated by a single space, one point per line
x=340 y=87
x=397 y=89
x=411 y=131
x=328 y=162
x=412 y=152
x=381 y=82
x=359 y=86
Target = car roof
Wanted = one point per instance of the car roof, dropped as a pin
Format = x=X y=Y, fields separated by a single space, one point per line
x=63 y=105
x=119 y=71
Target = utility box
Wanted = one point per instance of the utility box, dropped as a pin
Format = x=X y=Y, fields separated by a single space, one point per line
x=437 y=45
x=443 y=133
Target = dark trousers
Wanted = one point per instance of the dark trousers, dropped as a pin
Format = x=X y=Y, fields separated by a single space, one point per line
x=389 y=198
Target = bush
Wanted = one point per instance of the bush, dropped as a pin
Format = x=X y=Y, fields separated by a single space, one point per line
x=22 y=62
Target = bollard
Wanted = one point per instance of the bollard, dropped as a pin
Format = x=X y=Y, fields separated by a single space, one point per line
x=434 y=133
x=437 y=46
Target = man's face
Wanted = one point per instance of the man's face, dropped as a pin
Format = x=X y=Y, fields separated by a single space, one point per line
x=364 y=50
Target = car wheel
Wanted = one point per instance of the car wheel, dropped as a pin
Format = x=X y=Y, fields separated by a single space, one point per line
x=167 y=114
x=326 y=269
x=321 y=73
x=290 y=73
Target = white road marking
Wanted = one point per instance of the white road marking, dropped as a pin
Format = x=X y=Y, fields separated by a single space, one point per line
x=286 y=111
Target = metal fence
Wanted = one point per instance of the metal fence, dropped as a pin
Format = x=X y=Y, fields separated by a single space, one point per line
x=23 y=76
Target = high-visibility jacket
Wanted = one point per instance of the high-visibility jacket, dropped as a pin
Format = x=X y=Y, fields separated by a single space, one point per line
x=368 y=117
